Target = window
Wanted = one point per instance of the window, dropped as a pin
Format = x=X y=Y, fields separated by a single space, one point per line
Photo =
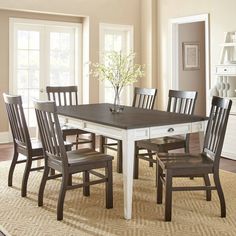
x=115 y=38
x=42 y=53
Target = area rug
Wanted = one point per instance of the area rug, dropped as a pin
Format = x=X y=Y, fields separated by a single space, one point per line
x=191 y=214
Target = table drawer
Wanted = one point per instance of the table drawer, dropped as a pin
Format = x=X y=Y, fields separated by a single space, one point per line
x=226 y=70
x=169 y=130
x=198 y=126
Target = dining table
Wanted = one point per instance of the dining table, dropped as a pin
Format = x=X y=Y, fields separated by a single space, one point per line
x=130 y=125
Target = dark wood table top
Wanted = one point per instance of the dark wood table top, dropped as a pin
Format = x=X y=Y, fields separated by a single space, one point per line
x=130 y=118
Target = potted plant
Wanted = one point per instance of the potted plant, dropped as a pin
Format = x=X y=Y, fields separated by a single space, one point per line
x=120 y=70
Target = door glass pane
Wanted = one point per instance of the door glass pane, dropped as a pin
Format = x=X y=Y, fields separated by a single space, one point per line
x=109 y=42
x=117 y=43
x=34 y=59
x=61 y=59
x=33 y=94
x=34 y=79
x=27 y=72
x=23 y=39
x=23 y=59
x=32 y=118
x=22 y=78
x=24 y=93
x=34 y=40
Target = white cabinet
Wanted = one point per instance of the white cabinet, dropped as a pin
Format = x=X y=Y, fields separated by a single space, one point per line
x=226 y=87
x=229 y=148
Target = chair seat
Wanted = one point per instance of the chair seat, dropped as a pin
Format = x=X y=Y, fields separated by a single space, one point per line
x=161 y=144
x=184 y=160
x=71 y=130
x=86 y=156
x=37 y=149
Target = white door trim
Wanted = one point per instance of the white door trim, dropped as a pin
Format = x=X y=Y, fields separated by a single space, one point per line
x=174 y=61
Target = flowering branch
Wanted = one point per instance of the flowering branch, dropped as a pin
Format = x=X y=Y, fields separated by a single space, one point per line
x=119 y=69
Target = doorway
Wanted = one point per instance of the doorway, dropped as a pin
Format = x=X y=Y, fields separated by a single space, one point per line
x=192 y=32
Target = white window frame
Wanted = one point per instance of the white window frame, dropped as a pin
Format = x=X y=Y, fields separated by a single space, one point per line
x=129 y=29
x=13 y=22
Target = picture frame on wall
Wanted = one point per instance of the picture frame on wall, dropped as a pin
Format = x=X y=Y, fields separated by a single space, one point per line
x=191 y=55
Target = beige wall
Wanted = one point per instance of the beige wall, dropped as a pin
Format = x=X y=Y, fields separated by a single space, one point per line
x=193 y=79
x=222 y=18
x=105 y=11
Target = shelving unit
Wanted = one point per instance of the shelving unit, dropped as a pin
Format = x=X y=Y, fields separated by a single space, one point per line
x=226 y=87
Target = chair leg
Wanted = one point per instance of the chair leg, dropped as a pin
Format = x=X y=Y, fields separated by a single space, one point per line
x=109 y=186
x=168 y=197
x=136 y=162
x=86 y=189
x=52 y=171
x=77 y=142
x=12 y=167
x=187 y=150
x=42 y=185
x=61 y=198
x=119 y=156
x=150 y=157
x=159 y=175
x=207 y=183
x=26 y=177
x=220 y=194
x=93 y=141
x=70 y=180
x=102 y=142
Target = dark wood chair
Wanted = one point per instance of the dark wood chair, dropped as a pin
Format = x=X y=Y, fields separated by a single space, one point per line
x=196 y=165
x=143 y=98
x=67 y=163
x=31 y=149
x=179 y=102
x=67 y=96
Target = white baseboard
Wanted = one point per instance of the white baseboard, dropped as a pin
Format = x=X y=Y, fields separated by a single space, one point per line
x=5 y=137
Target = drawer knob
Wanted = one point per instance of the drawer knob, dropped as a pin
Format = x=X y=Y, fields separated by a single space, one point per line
x=171 y=130
x=225 y=69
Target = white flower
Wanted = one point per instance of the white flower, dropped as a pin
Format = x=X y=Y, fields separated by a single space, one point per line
x=119 y=69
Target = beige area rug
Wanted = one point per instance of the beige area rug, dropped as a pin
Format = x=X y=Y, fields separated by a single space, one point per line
x=192 y=215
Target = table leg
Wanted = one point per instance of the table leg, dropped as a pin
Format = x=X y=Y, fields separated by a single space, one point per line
x=128 y=166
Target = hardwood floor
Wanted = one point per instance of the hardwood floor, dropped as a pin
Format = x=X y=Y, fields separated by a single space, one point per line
x=6 y=152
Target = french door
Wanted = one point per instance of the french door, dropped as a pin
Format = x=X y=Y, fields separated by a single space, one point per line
x=42 y=53
x=118 y=38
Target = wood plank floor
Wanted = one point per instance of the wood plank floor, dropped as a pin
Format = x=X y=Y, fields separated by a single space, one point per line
x=6 y=152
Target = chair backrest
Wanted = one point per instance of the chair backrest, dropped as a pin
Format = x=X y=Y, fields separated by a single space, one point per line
x=50 y=131
x=182 y=101
x=144 y=98
x=17 y=120
x=216 y=127
x=63 y=95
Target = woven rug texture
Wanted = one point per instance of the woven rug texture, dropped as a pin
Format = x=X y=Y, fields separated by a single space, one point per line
x=191 y=213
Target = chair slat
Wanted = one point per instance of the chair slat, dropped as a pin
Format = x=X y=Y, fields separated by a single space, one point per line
x=144 y=98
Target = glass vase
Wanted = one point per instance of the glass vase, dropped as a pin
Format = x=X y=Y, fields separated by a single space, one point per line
x=117 y=108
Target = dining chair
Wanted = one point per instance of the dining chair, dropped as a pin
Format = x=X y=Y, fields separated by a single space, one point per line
x=143 y=98
x=68 y=96
x=207 y=162
x=182 y=102
x=68 y=163
x=23 y=144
